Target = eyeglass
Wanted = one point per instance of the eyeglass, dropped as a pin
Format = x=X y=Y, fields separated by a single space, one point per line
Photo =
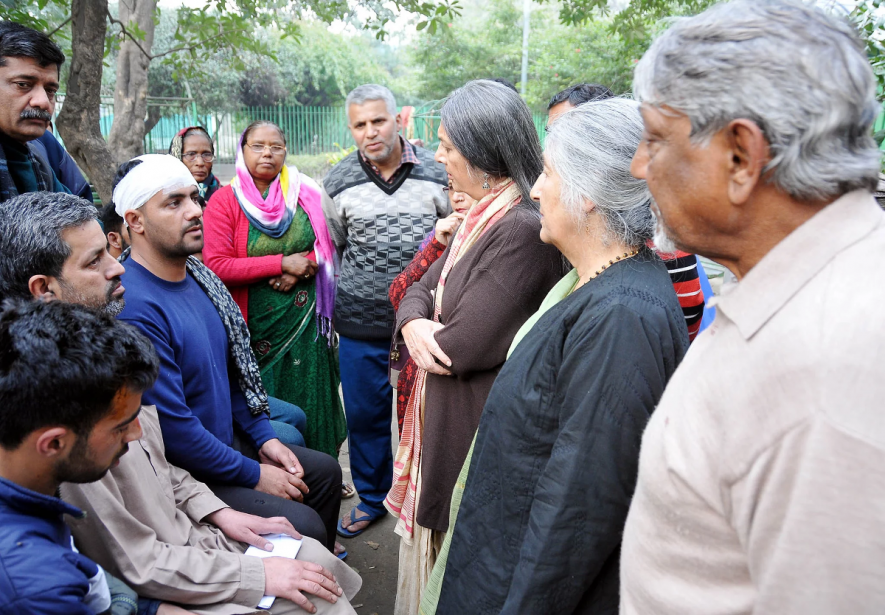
x=258 y=148
x=191 y=156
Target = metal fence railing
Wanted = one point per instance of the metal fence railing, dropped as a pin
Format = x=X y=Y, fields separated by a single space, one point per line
x=309 y=130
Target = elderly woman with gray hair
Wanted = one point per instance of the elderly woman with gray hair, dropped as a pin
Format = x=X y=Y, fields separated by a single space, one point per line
x=459 y=319
x=555 y=459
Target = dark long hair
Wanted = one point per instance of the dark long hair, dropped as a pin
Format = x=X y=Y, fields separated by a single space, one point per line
x=492 y=127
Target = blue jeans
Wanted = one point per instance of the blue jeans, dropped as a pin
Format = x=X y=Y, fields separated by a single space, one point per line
x=288 y=421
x=368 y=404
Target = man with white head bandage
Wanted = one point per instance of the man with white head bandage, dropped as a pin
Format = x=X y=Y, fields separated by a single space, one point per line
x=210 y=399
x=161 y=173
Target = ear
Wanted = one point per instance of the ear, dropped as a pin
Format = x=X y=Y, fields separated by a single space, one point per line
x=114 y=240
x=749 y=152
x=399 y=122
x=135 y=219
x=55 y=442
x=42 y=287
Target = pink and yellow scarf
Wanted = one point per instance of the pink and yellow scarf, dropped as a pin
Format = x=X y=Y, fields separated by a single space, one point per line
x=273 y=216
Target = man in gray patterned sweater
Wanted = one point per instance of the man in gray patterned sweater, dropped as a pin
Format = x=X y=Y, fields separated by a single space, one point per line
x=380 y=202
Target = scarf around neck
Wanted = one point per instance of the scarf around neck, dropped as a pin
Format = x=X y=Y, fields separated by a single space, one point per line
x=402 y=499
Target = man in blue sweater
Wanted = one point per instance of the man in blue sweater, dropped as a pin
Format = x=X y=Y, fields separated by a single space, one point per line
x=79 y=375
x=209 y=397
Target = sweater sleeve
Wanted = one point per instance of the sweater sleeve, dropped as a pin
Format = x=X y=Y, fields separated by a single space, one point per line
x=219 y=246
x=418 y=300
x=415 y=270
x=189 y=444
x=609 y=379
x=514 y=275
x=256 y=425
x=684 y=274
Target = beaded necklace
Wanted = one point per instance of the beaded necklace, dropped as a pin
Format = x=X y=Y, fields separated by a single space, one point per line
x=599 y=271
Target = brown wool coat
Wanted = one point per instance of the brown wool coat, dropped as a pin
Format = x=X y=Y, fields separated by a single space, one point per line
x=490 y=293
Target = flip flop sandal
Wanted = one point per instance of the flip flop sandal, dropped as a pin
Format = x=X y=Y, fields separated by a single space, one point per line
x=343 y=555
x=370 y=517
x=347 y=491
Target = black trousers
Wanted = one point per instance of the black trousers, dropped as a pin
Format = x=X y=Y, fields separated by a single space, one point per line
x=317 y=517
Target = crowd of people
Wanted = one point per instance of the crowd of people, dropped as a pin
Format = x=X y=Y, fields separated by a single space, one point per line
x=170 y=364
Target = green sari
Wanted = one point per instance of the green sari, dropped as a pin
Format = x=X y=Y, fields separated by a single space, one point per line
x=297 y=365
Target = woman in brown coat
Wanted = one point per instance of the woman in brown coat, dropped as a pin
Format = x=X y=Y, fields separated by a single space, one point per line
x=459 y=320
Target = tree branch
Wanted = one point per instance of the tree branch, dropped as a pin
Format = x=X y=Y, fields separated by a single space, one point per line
x=174 y=50
x=59 y=27
x=149 y=56
x=126 y=33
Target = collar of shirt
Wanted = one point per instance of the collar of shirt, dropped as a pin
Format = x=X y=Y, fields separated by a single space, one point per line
x=409 y=157
x=792 y=263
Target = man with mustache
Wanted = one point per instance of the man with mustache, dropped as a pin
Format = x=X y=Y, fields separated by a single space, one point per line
x=380 y=202
x=29 y=71
x=210 y=399
x=70 y=393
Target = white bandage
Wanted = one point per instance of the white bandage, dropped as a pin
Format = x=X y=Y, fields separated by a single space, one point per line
x=156 y=173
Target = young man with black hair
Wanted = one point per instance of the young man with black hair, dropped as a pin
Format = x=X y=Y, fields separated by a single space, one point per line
x=29 y=73
x=70 y=394
x=575 y=96
x=116 y=232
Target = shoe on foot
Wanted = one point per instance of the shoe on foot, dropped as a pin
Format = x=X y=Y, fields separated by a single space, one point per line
x=370 y=517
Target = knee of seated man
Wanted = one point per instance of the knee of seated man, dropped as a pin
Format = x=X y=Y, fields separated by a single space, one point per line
x=323 y=469
x=309 y=523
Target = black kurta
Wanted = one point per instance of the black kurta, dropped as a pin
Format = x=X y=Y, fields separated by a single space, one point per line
x=555 y=461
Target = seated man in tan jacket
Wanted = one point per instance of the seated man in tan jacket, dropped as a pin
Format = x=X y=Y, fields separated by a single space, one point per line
x=149 y=522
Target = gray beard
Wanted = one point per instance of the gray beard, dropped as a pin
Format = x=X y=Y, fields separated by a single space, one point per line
x=114 y=307
x=662 y=241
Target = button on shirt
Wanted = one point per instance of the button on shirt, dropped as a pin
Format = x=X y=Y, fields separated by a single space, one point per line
x=761 y=483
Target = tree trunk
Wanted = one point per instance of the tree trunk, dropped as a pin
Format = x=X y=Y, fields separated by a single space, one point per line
x=153 y=118
x=126 y=139
x=78 y=121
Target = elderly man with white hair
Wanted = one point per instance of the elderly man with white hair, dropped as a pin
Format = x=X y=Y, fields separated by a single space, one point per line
x=761 y=482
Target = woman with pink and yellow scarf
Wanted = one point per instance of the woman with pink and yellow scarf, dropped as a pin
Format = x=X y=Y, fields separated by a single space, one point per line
x=459 y=320
x=266 y=238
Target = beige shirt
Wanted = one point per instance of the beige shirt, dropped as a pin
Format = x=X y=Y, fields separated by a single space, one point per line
x=762 y=473
x=143 y=525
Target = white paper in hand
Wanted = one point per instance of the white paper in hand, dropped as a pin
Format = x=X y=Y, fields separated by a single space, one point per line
x=283 y=546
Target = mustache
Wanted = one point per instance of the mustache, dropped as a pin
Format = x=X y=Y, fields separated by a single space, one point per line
x=32 y=113
x=193 y=224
